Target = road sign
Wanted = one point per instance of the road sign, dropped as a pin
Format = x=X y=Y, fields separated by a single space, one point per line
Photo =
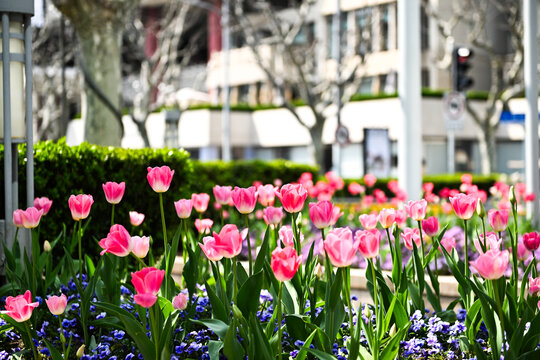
x=454 y=110
x=342 y=135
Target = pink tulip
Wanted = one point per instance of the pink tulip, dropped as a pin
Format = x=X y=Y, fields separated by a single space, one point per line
x=409 y=235
x=43 y=203
x=200 y=202
x=340 y=247
x=492 y=264
x=370 y=180
x=498 y=219
x=222 y=194
x=244 y=199
x=20 y=307
x=464 y=205
x=387 y=217
x=273 y=215
x=259 y=214
x=466 y=179
x=492 y=242
x=118 y=242
x=369 y=242
x=30 y=217
x=321 y=214
x=147 y=283
x=355 y=188
x=522 y=252
x=114 y=191
x=160 y=178
x=368 y=221
x=286 y=236
x=448 y=243
x=267 y=194
x=80 y=206
x=228 y=241
x=183 y=208
x=416 y=209
x=534 y=286
x=285 y=263
x=136 y=218
x=531 y=240
x=17 y=218
x=336 y=214
x=209 y=248
x=380 y=196
x=292 y=197
x=431 y=226
x=446 y=208
x=401 y=217
x=204 y=226
x=57 y=304
x=141 y=245
x=180 y=301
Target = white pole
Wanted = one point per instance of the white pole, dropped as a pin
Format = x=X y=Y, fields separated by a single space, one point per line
x=410 y=140
x=531 y=113
x=336 y=34
x=226 y=110
x=451 y=151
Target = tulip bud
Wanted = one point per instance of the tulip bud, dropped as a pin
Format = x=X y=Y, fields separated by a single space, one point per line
x=512 y=196
x=63 y=339
x=480 y=210
x=319 y=271
x=367 y=312
x=80 y=352
x=47 y=246
x=236 y=311
x=392 y=331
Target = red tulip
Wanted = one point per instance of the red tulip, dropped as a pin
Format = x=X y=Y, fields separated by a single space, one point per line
x=183 y=208
x=118 y=242
x=498 y=219
x=368 y=221
x=431 y=226
x=114 y=191
x=147 y=283
x=416 y=209
x=387 y=217
x=409 y=235
x=180 y=301
x=80 y=206
x=222 y=194
x=57 y=304
x=285 y=263
x=160 y=178
x=369 y=242
x=267 y=194
x=273 y=215
x=531 y=240
x=204 y=226
x=340 y=247
x=370 y=180
x=43 y=203
x=228 y=241
x=355 y=188
x=464 y=205
x=321 y=214
x=136 y=218
x=209 y=248
x=141 y=245
x=292 y=197
x=492 y=264
x=244 y=199
x=30 y=217
x=20 y=307
x=17 y=218
x=200 y=202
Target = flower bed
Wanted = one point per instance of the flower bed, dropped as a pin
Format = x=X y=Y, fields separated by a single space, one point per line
x=293 y=299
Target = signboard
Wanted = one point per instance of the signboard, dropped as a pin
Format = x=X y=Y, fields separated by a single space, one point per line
x=377 y=158
x=454 y=110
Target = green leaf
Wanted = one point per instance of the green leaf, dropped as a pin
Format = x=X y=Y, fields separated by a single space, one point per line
x=296 y=327
x=166 y=306
x=213 y=349
x=392 y=347
x=262 y=347
x=55 y=354
x=303 y=351
x=263 y=252
x=217 y=326
x=232 y=349
x=218 y=308
x=173 y=250
x=321 y=355
x=248 y=295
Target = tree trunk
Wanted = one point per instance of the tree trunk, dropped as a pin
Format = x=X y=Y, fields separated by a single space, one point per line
x=317 y=147
x=486 y=145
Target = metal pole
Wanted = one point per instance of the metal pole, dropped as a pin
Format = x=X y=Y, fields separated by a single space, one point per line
x=29 y=113
x=451 y=148
x=410 y=141
x=531 y=113
x=226 y=111
x=8 y=176
x=337 y=36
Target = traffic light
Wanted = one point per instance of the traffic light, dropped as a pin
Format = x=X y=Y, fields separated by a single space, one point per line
x=461 y=57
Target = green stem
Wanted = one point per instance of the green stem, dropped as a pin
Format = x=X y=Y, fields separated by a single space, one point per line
x=139 y=260
x=421 y=242
x=279 y=319
x=234 y=280
x=535 y=269
x=62 y=337
x=466 y=250
x=165 y=243
x=34 y=263
x=112 y=215
x=347 y=294
x=27 y=327
x=16 y=234
x=79 y=234
x=249 y=247
x=154 y=328
x=484 y=228
x=375 y=350
x=499 y=310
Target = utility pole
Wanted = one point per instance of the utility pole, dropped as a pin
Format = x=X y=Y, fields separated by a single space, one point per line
x=337 y=39
x=226 y=110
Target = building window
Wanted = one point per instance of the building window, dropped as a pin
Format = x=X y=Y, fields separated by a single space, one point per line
x=366 y=85
x=363 y=30
x=424 y=29
x=306 y=35
x=330 y=27
x=384 y=27
x=243 y=94
x=425 y=78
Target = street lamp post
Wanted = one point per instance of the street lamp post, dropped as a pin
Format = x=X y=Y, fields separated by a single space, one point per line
x=16 y=107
